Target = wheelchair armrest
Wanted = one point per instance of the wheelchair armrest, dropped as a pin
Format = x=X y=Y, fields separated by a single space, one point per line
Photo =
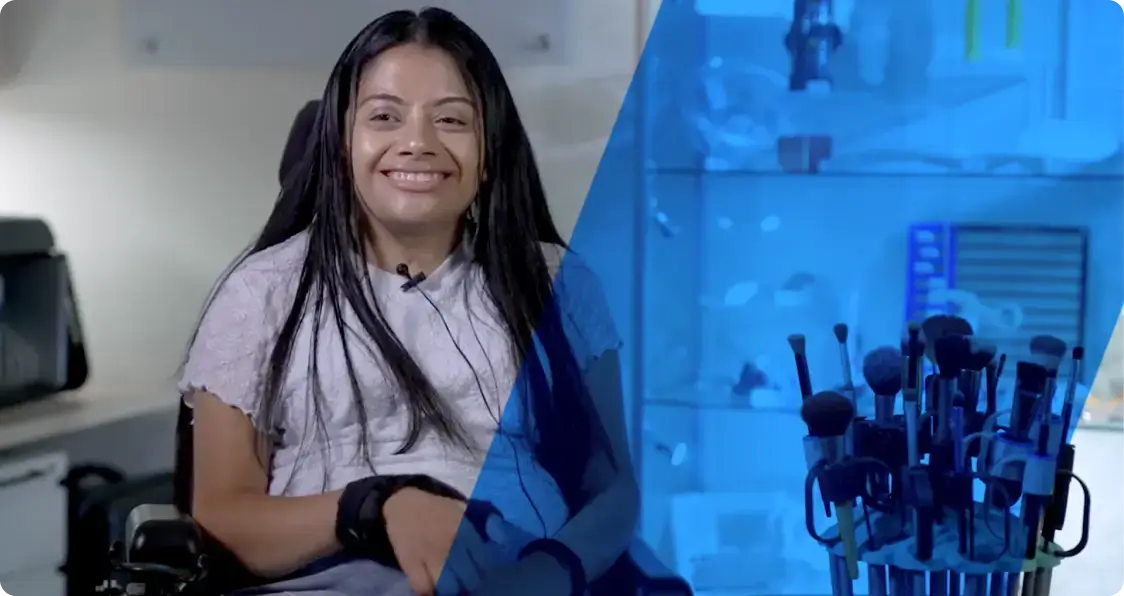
x=641 y=572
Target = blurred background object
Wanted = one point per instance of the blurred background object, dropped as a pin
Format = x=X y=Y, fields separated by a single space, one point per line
x=946 y=157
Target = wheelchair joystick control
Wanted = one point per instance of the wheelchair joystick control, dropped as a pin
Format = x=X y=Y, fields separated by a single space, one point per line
x=162 y=552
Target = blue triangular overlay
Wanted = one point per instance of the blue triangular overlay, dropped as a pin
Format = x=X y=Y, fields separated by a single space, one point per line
x=711 y=236
x=596 y=293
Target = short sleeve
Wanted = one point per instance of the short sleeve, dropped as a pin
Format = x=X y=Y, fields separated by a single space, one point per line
x=580 y=296
x=231 y=348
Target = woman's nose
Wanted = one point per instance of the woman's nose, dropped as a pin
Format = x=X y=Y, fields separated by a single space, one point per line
x=418 y=138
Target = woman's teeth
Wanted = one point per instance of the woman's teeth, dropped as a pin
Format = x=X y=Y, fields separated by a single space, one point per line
x=416 y=176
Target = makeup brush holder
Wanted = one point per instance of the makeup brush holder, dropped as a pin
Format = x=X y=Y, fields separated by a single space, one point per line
x=888 y=551
x=974 y=513
x=888 y=548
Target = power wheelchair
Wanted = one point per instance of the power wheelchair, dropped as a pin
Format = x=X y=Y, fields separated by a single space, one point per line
x=164 y=553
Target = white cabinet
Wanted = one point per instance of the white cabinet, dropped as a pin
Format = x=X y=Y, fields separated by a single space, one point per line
x=312 y=34
x=33 y=524
x=44 y=581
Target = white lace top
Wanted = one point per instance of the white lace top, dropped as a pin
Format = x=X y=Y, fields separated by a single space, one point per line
x=238 y=332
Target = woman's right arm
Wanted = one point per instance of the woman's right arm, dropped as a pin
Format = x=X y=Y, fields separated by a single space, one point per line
x=275 y=536
x=271 y=536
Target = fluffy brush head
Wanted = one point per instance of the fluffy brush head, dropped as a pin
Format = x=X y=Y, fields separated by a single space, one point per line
x=840 y=330
x=827 y=414
x=882 y=370
x=798 y=343
x=1031 y=377
x=1048 y=345
x=982 y=354
x=951 y=354
x=1048 y=351
x=938 y=326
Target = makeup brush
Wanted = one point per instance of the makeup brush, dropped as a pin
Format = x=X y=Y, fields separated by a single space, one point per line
x=1030 y=388
x=828 y=415
x=1049 y=351
x=1071 y=391
x=841 y=333
x=882 y=371
x=938 y=326
x=911 y=391
x=982 y=353
x=994 y=371
x=933 y=329
x=952 y=353
x=798 y=343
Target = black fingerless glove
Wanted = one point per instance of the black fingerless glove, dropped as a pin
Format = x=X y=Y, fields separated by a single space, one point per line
x=360 y=525
x=568 y=559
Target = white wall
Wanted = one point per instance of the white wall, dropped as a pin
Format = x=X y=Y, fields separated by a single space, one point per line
x=154 y=179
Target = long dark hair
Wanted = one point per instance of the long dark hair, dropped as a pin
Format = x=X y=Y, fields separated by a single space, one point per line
x=513 y=219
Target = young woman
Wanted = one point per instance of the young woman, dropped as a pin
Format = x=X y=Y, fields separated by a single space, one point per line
x=404 y=315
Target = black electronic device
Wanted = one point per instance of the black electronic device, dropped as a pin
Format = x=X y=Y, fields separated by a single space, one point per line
x=42 y=351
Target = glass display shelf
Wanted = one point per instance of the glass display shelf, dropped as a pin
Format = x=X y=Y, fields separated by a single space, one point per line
x=771 y=212
x=906 y=96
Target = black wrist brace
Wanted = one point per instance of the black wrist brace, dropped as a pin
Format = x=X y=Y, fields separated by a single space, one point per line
x=360 y=524
x=565 y=557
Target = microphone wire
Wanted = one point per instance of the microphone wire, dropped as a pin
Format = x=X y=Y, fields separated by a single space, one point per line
x=414 y=283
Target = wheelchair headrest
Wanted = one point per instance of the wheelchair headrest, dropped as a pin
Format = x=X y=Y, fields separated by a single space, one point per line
x=297 y=144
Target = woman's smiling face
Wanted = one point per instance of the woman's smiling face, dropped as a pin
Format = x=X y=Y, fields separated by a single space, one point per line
x=415 y=145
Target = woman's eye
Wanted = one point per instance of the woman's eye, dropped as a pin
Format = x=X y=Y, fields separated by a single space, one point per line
x=452 y=121
x=381 y=117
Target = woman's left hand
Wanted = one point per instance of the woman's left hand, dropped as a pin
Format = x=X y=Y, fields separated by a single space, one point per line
x=468 y=562
x=539 y=573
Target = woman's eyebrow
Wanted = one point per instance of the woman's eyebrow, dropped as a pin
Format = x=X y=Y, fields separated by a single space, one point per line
x=455 y=99
x=390 y=97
